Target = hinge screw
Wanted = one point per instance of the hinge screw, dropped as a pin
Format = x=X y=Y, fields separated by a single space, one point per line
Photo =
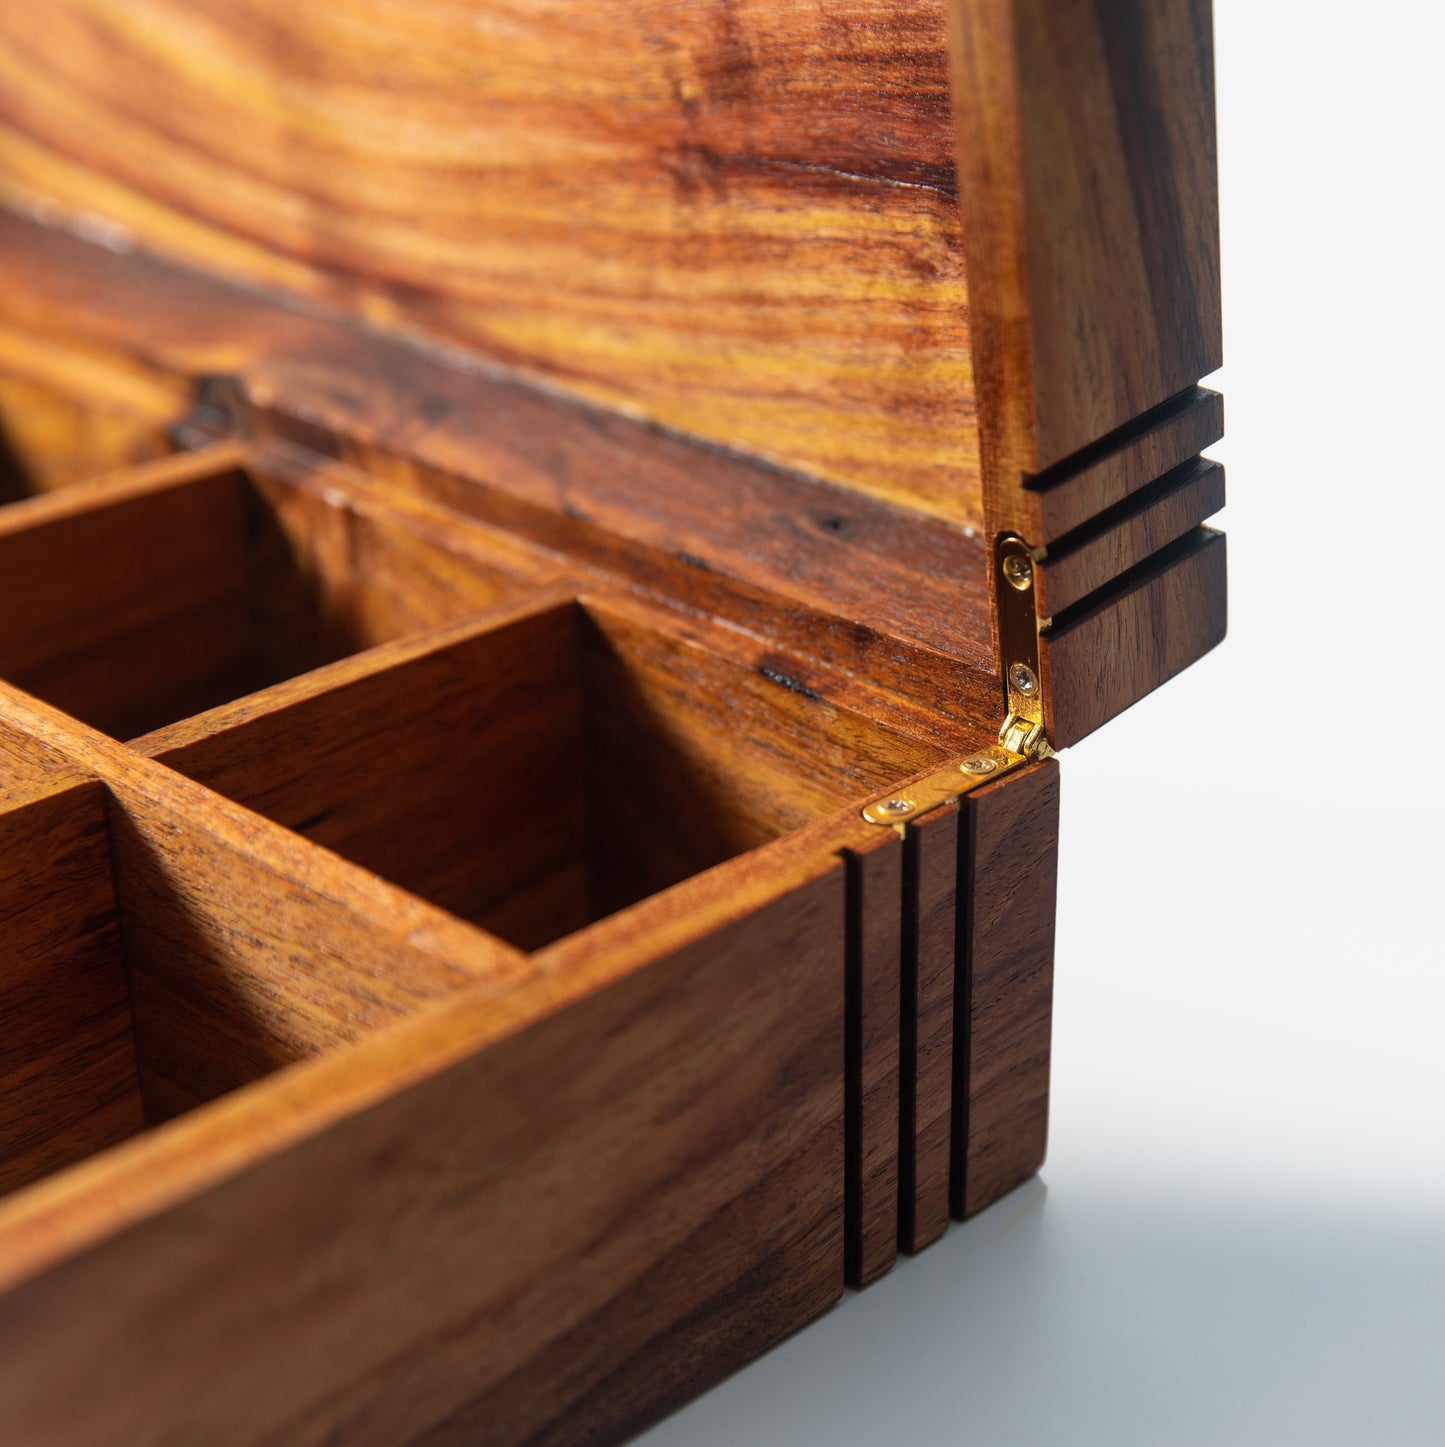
x=1023 y=679
x=897 y=806
x=978 y=765
x=1018 y=571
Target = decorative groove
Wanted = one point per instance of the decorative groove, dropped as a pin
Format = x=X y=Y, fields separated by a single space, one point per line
x=1074 y=492
x=1128 y=534
x=1125 y=640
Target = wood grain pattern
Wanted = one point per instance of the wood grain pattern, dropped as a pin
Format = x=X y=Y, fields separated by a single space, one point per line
x=523 y=1028
x=453 y=767
x=926 y=1072
x=1134 y=636
x=692 y=759
x=892 y=595
x=66 y=415
x=1072 y=493
x=224 y=986
x=540 y=767
x=202 y=832
x=869 y=588
x=875 y=942
x=1005 y=987
x=1127 y=535
x=129 y=613
x=739 y=220
x=135 y=1001
x=1088 y=184
x=24 y=760
x=488 y=1168
x=1086 y=167
x=155 y=596
x=68 y=1083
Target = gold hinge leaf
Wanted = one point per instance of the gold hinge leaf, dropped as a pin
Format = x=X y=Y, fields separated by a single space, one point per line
x=1021 y=738
x=944 y=786
x=1018 y=639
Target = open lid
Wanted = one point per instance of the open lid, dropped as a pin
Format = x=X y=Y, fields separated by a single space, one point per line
x=927 y=273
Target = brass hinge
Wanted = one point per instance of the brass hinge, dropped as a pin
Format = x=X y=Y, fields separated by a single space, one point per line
x=1021 y=738
x=1018 y=641
x=944 y=786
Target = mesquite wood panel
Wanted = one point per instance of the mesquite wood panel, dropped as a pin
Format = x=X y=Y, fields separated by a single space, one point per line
x=532 y=761
x=740 y=219
x=513 y=895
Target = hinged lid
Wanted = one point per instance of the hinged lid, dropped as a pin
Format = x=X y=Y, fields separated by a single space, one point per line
x=915 y=276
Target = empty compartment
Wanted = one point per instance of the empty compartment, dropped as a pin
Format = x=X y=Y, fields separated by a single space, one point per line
x=537 y=774
x=163 y=603
x=148 y=968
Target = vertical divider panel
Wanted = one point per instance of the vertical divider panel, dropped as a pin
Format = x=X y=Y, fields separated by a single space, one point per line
x=1005 y=986
x=237 y=970
x=930 y=892
x=67 y=1061
x=875 y=926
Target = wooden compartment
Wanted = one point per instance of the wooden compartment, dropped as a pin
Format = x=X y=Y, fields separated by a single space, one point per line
x=187 y=585
x=133 y=991
x=529 y=1198
x=545 y=766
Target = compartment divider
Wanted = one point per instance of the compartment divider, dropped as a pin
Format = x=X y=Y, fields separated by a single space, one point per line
x=187 y=825
x=268 y=711
x=164 y=591
x=155 y=475
x=68 y=1072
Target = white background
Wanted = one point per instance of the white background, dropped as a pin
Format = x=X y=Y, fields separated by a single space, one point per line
x=1239 y=1237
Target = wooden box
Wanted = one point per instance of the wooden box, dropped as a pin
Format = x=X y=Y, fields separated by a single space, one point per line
x=546 y=549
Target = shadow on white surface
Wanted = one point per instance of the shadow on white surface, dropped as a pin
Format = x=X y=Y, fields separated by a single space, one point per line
x=1144 y=1318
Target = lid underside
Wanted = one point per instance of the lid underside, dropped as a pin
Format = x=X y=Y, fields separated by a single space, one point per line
x=738 y=234
x=740 y=221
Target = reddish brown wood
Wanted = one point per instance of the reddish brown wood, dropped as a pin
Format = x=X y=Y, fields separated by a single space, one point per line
x=1005 y=987
x=1088 y=183
x=926 y=1091
x=453 y=768
x=1134 y=636
x=67 y=1062
x=875 y=938
x=618 y=757
x=879 y=591
x=433 y=658
x=401 y=1267
x=66 y=415
x=1072 y=493
x=236 y=970
x=1126 y=536
x=24 y=761
x=164 y=592
x=739 y=221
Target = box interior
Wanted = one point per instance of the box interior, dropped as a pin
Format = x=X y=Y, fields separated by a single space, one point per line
x=534 y=776
x=157 y=605
x=529 y=760
x=144 y=973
